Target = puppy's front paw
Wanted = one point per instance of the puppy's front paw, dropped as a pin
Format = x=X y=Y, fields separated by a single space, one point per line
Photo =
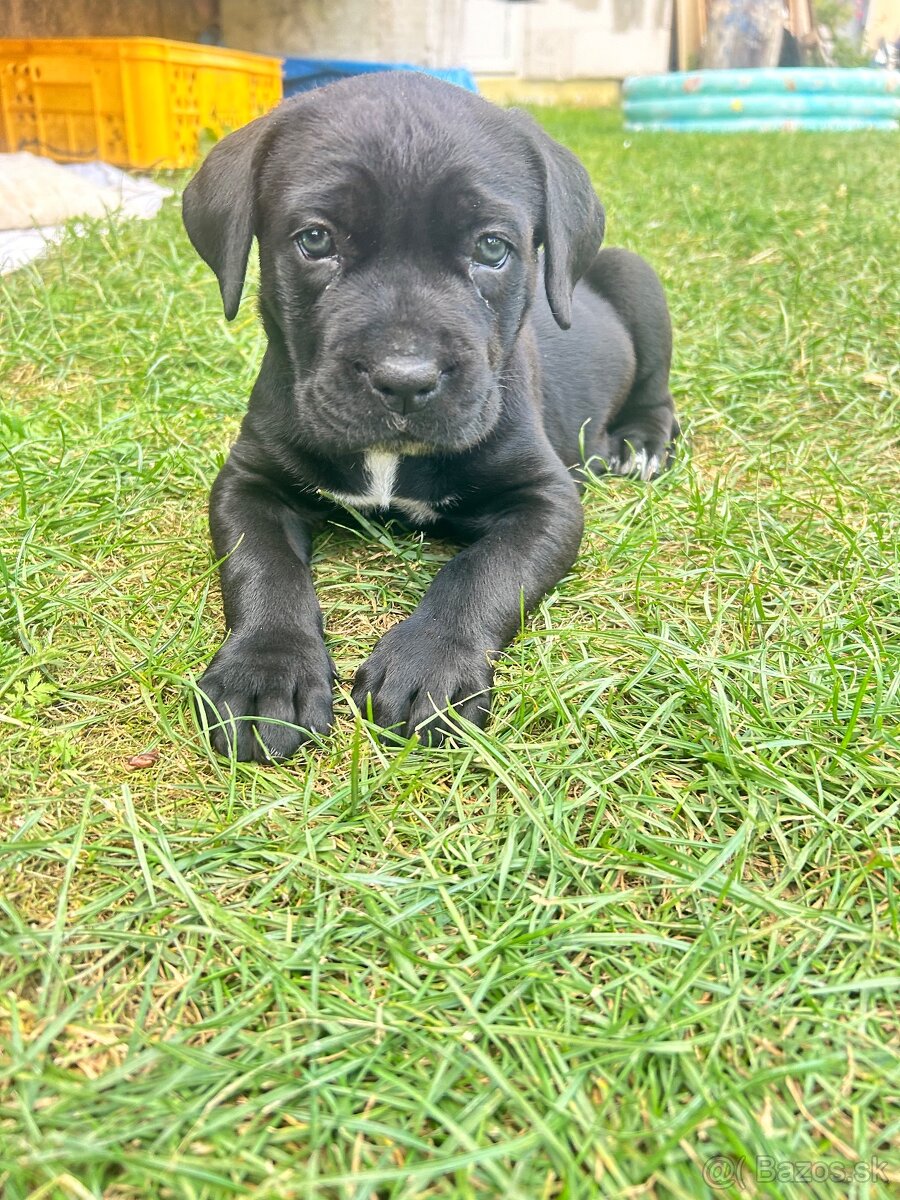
x=415 y=672
x=261 y=701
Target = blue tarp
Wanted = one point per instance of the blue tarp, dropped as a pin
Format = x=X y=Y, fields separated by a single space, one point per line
x=302 y=74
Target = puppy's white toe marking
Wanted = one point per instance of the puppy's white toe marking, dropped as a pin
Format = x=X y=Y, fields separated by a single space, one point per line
x=638 y=463
x=634 y=463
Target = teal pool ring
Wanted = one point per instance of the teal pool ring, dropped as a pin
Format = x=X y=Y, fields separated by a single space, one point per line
x=683 y=108
x=757 y=100
x=852 y=81
x=763 y=125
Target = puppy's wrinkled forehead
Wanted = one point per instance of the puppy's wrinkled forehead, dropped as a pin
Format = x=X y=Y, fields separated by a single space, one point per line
x=405 y=153
x=396 y=159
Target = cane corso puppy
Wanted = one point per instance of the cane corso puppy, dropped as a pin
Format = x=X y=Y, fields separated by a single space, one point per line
x=430 y=359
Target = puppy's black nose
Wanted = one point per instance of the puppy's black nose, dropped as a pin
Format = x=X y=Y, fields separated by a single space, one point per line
x=405 y=381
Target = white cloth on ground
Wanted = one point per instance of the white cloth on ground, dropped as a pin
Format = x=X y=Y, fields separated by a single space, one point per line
x=37 y=196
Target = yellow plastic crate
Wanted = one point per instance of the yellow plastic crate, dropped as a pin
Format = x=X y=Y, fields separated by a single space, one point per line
x=135 y=102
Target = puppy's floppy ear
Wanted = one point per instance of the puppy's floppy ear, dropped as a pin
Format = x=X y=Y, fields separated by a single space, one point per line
x=218 y=209
x=572 y=223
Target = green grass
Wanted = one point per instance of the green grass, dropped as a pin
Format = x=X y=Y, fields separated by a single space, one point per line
x=650 y=917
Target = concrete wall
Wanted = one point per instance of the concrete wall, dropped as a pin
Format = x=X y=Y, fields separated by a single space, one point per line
x=584 y=39
x=545 y=39
x=424 y=32
x=183 y=20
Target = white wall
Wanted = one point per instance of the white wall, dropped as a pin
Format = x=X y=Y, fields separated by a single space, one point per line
x=424 y=32
x=544 y=39
x=565 y=39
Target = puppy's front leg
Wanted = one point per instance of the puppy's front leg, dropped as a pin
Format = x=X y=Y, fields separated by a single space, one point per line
x=443 y=654
x=270 y=684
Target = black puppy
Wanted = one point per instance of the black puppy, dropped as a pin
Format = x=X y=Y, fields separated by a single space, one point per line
x=415 y=369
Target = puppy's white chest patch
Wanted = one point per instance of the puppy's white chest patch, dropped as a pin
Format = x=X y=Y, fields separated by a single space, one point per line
x=381 y=475
x=380 y=468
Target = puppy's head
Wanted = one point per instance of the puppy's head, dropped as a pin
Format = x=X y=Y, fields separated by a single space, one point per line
x=399 y=222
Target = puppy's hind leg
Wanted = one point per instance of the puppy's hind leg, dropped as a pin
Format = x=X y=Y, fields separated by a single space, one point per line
x=642 y=432
x=642 y=439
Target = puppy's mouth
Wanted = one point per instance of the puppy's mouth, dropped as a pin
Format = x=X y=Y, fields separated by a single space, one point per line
x=405 y=435
x=402 y=445
x=347 y=422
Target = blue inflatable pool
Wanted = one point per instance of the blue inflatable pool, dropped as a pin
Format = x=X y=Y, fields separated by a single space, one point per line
x=832 y=98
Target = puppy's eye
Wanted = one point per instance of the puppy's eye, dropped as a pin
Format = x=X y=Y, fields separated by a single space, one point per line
x=315 y=242
x=491 y=251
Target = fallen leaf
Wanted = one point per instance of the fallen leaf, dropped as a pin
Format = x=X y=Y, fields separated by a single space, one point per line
x=147 y=758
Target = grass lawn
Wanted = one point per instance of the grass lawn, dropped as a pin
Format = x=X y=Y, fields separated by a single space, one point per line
x=649 y=918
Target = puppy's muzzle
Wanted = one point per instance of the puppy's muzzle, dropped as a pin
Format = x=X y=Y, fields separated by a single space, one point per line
x=405 y=383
